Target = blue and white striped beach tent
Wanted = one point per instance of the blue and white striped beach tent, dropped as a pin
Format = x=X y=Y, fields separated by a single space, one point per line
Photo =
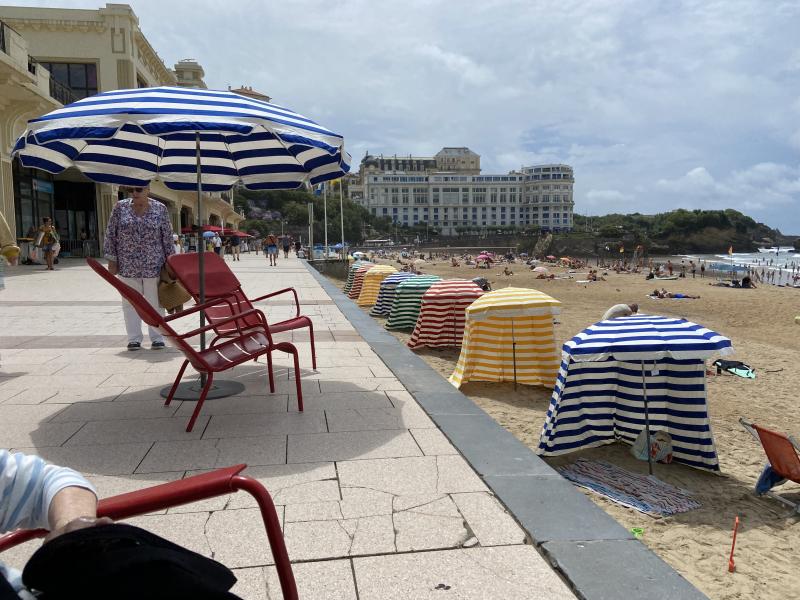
x=130 y=137
x=615 y=370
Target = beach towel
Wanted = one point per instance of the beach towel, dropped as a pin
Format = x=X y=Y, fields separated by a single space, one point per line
x=644 y=493
x=735 y=367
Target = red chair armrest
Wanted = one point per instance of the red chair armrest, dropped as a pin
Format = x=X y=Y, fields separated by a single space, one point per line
x=236 y=317
x=198 y=307
x=283 y=291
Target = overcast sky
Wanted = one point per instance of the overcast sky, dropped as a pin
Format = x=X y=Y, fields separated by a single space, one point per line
x=657 y=105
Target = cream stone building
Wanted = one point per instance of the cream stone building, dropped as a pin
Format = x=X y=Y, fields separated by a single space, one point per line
x=448 y=191
x=86 y=52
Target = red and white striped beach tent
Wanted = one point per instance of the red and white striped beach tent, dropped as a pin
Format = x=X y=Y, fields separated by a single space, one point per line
x=358 y=281
x=441 y=319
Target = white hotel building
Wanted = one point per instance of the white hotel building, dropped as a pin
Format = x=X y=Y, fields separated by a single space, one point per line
x=448 y=191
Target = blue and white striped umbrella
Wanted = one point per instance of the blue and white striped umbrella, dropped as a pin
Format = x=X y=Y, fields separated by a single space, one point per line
x=619 y=376
x=130 y=137
x=646 y=337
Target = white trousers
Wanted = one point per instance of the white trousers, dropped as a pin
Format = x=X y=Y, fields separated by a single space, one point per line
x=147 y=287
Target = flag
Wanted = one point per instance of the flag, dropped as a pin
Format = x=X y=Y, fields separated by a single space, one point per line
x=730 y=251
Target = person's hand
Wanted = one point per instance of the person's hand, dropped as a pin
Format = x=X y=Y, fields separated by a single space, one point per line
x=113 y=268
x=75 y=525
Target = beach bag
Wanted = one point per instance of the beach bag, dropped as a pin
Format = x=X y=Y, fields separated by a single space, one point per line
x=123 y=562
x=171 y=294
x=56 y=249
x=660 y=446
x=39 y=238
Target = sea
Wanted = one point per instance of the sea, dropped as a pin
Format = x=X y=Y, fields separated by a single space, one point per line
x=783 y=261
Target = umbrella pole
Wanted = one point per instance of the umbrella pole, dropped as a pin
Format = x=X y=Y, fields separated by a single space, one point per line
x=646 y=420
x=201 y=256
x=514 y=352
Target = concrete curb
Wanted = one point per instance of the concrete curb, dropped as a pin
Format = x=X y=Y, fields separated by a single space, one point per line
x=598 y=558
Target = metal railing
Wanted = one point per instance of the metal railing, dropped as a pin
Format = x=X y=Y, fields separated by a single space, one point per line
x=61 y=92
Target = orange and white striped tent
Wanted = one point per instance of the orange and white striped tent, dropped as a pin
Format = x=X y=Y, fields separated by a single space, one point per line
x=358 y=281
x=441 y=319
x=509 y=336
x=351 y=272
x=372 y=284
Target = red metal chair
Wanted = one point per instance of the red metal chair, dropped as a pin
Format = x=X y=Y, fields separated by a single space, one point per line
x=184 y=491
x=221 y=282
x=247 y=344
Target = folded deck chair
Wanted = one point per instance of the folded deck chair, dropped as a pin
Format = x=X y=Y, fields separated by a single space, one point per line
x=784 y=461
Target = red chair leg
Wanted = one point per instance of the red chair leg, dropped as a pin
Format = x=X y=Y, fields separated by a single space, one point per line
x=270 y=373
x=200 y=401
x=297 y=380
x=274 y=534
x=313 y=349
x=177 y=381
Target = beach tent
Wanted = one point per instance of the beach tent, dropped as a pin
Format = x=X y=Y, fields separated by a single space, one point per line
x=358 y=280
x=621 y=376
x=441 y=318
x=407 y=301
x=372 y=284
x=383 y=305
x=351 y=273
x=509 y=336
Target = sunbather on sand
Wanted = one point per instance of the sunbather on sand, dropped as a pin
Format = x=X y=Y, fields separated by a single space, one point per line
x=665 y=294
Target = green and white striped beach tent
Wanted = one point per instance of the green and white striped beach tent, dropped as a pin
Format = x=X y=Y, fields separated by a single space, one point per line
x=351 y=274
x=407 y=301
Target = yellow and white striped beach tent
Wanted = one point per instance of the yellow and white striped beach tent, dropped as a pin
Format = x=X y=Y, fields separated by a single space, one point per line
x=372 y=284
x=509 y=336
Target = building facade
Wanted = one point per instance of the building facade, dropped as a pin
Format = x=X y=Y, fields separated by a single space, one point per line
x=84 y=52
x=449 y=192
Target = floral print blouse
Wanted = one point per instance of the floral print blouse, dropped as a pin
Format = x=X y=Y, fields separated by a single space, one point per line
x=139 y=245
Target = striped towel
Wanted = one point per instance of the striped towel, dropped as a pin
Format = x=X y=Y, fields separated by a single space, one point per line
x=645 y=493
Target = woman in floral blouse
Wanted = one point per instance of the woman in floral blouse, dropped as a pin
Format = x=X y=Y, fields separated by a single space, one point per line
x=138 y=242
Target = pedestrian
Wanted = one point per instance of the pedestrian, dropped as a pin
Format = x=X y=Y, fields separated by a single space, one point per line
x=287 y=243
x=693 y=268
x=297 y=245
x=217 y=242
x=176 y=243
x=236 y=243
x=702 y=270
x=669 y=267
x=621 y=310
x=272 y=249
x=257 y=243
x=46 y=239
x=138 y=242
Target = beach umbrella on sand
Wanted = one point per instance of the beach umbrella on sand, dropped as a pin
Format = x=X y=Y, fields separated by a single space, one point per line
x=509 y=336
x=550 y=257
x=540 y=270
x=191 y=139
x=620 y=376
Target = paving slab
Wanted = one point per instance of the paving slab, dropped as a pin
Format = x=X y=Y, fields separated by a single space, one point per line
x=511 y=573
x=330 y=579
x=351 y=446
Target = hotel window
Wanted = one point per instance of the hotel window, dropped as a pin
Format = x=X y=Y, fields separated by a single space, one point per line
x=81 y=78
x=545 y=198
x=493 y=197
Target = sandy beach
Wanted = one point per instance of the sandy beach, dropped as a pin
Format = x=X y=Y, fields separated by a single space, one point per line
x=761 y=325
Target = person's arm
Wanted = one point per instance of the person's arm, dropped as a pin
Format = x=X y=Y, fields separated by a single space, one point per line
x=36 y=494
x=166 y=234
x=111 y=240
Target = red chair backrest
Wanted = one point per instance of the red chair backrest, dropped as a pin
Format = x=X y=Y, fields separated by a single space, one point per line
x=146 y=312
x=220 y=280
x=781 y=453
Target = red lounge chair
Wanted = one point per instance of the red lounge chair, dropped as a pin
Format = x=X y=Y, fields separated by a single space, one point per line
x=782 y=452
x=248 y=343
x=184 y=491
x=221 y=282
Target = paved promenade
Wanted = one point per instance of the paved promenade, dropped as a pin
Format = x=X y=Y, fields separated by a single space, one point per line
x=374 y=501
